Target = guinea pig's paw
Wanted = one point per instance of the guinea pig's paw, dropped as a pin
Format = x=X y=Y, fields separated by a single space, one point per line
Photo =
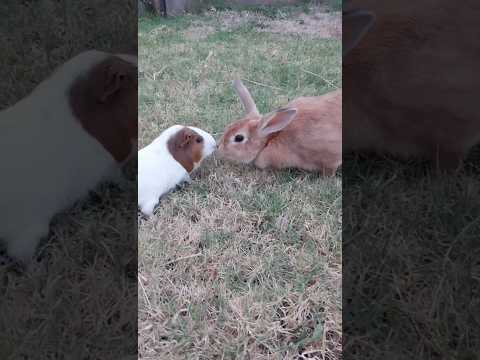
x=187 y=179
x=22 y=249
x=147 y=209
x=11 y=264
x=22 y=245
x=4 y=259
x=119 y=179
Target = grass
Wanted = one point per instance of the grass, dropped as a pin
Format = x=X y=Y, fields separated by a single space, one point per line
x=79 y=297
x=242 y=263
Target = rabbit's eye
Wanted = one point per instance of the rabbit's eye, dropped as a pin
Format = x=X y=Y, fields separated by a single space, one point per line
x=238 y=138
x=199 y=140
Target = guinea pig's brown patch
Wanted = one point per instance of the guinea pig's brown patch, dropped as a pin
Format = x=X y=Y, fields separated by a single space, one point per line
x=186 y=147
x=105 y=103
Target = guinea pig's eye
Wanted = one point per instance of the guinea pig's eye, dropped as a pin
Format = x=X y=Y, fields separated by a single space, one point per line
x=199 y=139
x=239 y=138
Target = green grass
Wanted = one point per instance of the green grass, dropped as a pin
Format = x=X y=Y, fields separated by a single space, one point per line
x=243 y=263
x=277 y=63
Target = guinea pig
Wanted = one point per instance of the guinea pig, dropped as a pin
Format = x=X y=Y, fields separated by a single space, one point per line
x=168 y=161
x=76 y=129
x=306 y=134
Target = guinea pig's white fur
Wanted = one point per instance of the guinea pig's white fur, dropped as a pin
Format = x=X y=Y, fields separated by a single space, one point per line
x=159 y=172
x=48 y=161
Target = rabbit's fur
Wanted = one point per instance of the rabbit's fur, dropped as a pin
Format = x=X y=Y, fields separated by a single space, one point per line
x=410 y=80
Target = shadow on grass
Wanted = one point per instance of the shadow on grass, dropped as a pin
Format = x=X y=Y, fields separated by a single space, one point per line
x=411 y=250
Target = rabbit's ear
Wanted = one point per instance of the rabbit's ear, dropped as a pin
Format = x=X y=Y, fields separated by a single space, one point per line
x=245 y=97
x=356 y=24
x=276 y=121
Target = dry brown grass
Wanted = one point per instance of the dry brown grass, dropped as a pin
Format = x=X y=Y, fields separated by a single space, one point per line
x=242 y=264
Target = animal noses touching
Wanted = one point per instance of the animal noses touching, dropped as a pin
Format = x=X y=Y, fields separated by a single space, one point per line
x=214 y=147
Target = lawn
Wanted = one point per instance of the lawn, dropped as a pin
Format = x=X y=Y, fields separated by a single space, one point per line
x=242 y=263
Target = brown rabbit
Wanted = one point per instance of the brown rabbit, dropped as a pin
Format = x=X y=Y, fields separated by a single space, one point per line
x=306 y=134
x=408 y=89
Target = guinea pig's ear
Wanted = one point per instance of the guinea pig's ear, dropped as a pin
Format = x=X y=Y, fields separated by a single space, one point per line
x=186 y=139
x=114 y=76
x=276 y=121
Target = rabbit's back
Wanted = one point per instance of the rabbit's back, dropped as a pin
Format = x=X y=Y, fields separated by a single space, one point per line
x=410 y=83
x=313 y=140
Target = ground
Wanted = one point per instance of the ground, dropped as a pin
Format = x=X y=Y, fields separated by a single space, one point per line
x=242 y=263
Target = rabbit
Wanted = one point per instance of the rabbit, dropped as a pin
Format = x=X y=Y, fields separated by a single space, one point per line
x=168 y=162
x=76 y=129
x=306 y=134
x=357 y=23
x=408 y=92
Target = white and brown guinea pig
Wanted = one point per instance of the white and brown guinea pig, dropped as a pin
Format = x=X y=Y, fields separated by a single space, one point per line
x=76 y=129
x=168 y=161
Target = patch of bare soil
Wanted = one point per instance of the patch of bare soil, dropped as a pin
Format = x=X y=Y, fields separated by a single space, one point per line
x=317 y=23
x=232 y=20
x=198 y=32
